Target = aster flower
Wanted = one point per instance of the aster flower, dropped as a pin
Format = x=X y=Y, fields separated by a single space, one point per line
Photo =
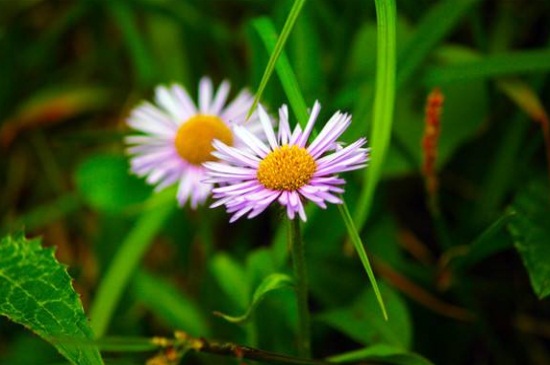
x=285 y=168
x=177 y=136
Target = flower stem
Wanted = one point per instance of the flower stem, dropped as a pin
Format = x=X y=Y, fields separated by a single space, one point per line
x=300 y=275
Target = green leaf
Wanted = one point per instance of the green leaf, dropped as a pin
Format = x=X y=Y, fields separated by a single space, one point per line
x=359 y=247
x=232 y=278
x=266 y=30
x=382 y=353
x=489 y=242
x=294 y=95
x=105 y=184
x=531 y=233
x=430 y=31
x=536 y=61
x=287 y=28
x=139 y=53
x=360 y=322
x=127 y=258
x=271 y=283
x=165 y=300
x=384 y=97
x=36 y=291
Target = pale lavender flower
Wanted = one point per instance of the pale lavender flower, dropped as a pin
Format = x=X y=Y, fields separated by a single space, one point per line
x=284 y=168
x=177 y=136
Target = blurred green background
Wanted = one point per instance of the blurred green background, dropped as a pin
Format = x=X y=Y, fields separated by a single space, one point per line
x=70 y=72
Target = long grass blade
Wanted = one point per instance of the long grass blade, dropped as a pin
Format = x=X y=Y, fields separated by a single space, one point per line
x=281 y=41
x=127 y=259
x=266 y=31
x=293 y=93
x=383 y=104
x=431 y=30
x=491 y=66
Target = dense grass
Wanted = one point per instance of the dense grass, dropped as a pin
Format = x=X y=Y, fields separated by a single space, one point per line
x=462 y=269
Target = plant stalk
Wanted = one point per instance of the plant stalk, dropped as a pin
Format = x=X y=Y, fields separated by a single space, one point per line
x=300 y=276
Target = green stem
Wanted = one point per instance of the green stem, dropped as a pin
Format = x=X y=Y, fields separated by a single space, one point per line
x=128 y=257
x=300 y=275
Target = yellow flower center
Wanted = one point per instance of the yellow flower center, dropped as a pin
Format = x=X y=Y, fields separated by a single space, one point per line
x=194 y=138
x=287 y=168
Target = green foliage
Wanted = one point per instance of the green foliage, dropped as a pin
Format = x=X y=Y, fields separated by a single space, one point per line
x=36 y=292
x=360 y=322
x=271 y=283
x=146 y=268
x=177 y=309
x=382 y=353
x=267 y=32
x=290 y=86
x=132 y=249
x=530 y=230
x=277 y=50
x=383 y=109
x=105 y=184
x=231 y=277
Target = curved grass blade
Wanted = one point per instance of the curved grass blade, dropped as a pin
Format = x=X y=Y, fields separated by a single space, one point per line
x=127 y=259
x=267 y=33
x=270 y=283
x=383 y=104
x=277 y=50
x=169 y=303
x=430 y=31
x=287 y=77
x=358 y=244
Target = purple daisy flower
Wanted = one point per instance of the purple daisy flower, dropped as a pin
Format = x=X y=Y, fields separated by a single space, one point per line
x=177 y=136
x=285 y=168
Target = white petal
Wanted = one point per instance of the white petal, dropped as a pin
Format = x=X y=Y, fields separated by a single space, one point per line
x=268 y=129
x=165 y=99
x=310 y=123
x=284 y=127
x=184 y=99
x=220 y=98
x=251 y=141
x=205 y=95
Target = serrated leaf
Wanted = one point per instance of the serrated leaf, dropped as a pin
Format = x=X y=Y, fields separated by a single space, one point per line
x=36 y=292
x=271 y=283
x=382 y=353
x=531 y=233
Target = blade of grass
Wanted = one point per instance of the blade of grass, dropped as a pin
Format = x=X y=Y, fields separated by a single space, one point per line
x=45 y=214
x=383 y=105
x=293 y=93
x=266 y=31
x=358 y=244
x=277 y=50
x=430 y=31
x=139 y=54
x=132 y=249
x=491 y=66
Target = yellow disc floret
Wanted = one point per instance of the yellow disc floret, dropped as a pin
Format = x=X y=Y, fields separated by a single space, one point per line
x=286 y=168
x=194 y=138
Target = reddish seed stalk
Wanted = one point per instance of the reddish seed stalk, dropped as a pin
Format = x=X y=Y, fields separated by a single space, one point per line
x=430 y=141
